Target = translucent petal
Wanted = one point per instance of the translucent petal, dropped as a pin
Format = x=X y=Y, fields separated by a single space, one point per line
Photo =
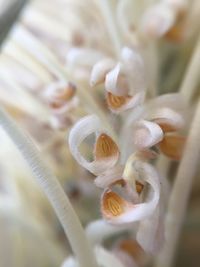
x=146 y=134
x=83 y=128
x=100 y=69
x=168 y=119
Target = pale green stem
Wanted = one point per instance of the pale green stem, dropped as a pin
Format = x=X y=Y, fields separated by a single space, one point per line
x=53 y=190
x=180 y=193
x=110 y=21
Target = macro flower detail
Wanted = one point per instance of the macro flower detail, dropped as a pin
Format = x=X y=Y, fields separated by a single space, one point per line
x=106 y=153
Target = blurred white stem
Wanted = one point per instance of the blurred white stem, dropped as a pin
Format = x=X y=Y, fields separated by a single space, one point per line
x=191 y=79
x=110 y=19
x=180 y=193
x=54 y=192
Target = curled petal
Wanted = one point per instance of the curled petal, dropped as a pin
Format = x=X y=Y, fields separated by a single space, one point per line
x=116 y=81
x=58 y=93
x=168 y=119
x=106 y=258
x=99 y=71
x=131 y=248
x=134 y=66
x=173 y=145
x=158 y=20
x=117 y=210
x=146 y=134
x=179 y=6
x=121 y=103
x=106 y=156
x=83 y=57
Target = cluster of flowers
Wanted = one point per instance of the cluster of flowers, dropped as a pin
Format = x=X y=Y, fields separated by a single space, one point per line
x=132 y=188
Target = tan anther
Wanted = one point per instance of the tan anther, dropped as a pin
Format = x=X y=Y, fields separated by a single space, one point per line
x=173 y=146
x=105 y=147
x=112 y=204
x=165 y=125
x=115 y=102
x=132 y=248
x=177 y=32
x=60 y=94
x=139 y=187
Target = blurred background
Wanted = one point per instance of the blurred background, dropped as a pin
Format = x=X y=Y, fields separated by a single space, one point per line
x=30 y=234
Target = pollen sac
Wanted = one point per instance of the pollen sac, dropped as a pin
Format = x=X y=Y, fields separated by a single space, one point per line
x=112 y=204
x=173 y=146
x=105 y=148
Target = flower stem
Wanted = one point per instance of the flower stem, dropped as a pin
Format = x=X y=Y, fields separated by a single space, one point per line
x=107 y=12
x=180 y=193
x=53 y=190
x=191 y=79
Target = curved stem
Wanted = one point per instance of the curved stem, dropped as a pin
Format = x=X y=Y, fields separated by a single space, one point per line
x=53 y=190
x=180 y=193
x=107 y=12
x=191 y=79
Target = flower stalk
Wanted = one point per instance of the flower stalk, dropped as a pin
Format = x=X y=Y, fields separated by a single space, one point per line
x=53 y=190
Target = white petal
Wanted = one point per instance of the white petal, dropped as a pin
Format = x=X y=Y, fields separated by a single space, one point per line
x=116 y=82
x=168 y=117
x=70 y=262
x=138 y=212
x=106 y=258
x=83 y=128
x=134 y=67
x=98 y=231
x=99 y=71
x=146 y=134
x=110 y=176
x=83 y=57
x=158 y=20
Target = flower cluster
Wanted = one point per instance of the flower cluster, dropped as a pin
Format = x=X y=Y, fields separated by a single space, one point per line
x=132 y=188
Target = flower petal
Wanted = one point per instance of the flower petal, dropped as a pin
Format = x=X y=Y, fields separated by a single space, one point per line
x=117 y=210
x=116 y=82
x=158 y=20
x=168 y=119
x=146 y=134
x=134 y=66
x=58 y=93
x=82 y=57
x=83 y=128
x=173 y=145
x=100 y=69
